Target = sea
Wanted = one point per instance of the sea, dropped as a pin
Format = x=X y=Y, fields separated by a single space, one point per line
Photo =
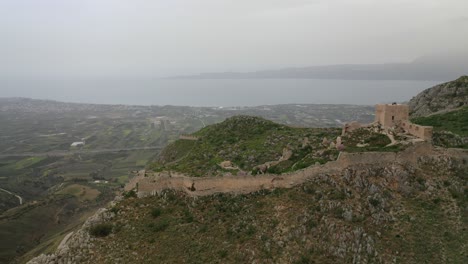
x=218 y=92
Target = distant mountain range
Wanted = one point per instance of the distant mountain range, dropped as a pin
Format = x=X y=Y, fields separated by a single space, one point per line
x=428 y=68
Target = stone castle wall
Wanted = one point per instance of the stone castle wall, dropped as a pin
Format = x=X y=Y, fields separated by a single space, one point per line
x=422 y=132
x=200 y=186
x=132 y=184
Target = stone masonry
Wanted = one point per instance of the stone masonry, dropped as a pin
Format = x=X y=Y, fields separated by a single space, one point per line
x=390 y=116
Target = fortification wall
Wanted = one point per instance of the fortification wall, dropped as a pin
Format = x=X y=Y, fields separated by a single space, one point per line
x=423 y=132
x=132 y=184
x=201 y=186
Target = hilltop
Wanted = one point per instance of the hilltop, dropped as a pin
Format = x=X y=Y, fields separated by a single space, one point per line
x=246 y=144
x=443 y=97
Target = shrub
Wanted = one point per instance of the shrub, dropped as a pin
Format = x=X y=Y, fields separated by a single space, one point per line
x=251 y=230
x=130 y=194
x=156 y=212
x=223 y=253
x=188 y=217
x=304 y=260
x=100 y=230
x=374 y=202
x=160 y=226
x=114 y=210
x=311 y=223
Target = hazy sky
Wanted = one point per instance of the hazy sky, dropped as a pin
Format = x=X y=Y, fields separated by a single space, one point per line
x=166 y=37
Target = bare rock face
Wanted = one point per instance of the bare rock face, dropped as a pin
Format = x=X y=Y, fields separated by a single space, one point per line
x=446 y=96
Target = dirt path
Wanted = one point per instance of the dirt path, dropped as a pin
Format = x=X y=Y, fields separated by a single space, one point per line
x=17 y=196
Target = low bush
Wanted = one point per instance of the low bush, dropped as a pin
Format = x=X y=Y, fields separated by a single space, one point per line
x=100 y=230
x=156 y=212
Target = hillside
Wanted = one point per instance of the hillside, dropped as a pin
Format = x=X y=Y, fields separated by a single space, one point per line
x=443 y=97
x=450 y=129
x=407 y=207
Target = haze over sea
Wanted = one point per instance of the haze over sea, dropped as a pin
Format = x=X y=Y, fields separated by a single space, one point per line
x=218 y=92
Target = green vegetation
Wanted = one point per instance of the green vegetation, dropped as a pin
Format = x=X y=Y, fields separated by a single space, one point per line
x=101 y=230
x=247 y=142
x=455 y=121
x=82 y=192
x=58 y=190
x=156 y=212
x=28 y=162
x=369 y=140
x=450 y=129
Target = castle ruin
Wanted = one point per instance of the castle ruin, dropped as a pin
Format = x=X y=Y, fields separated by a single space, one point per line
x=392 y=117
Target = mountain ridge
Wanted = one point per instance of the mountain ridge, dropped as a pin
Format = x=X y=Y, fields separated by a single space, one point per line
x=428 y=68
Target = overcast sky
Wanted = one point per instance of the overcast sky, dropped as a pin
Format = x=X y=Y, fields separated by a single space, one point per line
x=167 y=37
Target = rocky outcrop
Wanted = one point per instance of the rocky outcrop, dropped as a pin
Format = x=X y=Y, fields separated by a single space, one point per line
x=443 y=97
x=76 y=246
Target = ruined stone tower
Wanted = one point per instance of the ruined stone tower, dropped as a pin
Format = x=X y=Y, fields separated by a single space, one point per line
x=397 y=115
x=389 y=115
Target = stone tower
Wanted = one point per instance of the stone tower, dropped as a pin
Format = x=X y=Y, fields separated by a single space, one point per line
x=388 y=115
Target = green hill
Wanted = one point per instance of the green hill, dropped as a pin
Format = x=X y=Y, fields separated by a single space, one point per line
x=247 y=142
x=450 y=129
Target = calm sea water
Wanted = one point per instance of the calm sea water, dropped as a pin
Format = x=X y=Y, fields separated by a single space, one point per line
x=248 y=92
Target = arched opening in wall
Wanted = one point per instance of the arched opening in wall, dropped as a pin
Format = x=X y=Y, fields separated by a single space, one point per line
x=393 y=118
